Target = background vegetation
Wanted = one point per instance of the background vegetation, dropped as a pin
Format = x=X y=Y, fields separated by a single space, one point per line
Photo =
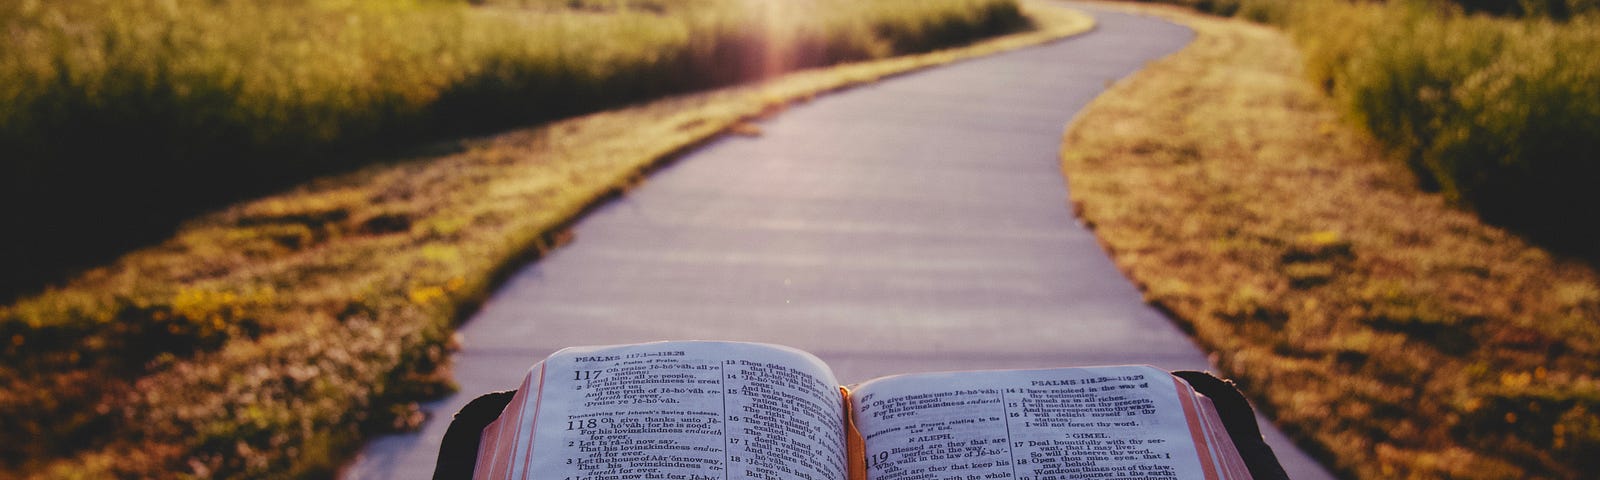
x=126 y=115
x=267 y=338
x=1397 y=335
x=1498 y=113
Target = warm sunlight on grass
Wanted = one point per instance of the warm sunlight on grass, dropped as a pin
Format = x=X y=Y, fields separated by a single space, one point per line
x=1492 y=103
x=130 y=114
x=267 y=339
x=1397 y=336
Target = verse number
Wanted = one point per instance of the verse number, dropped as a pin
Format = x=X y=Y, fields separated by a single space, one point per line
x=877 y=461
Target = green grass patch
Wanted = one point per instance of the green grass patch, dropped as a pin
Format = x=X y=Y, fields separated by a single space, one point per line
x=1394 y=335
x=266 y=339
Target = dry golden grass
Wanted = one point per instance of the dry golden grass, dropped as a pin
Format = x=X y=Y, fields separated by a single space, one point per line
x=312 y=317
x=1394 y=335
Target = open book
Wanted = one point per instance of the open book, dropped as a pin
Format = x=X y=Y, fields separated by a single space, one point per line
x=722 y=410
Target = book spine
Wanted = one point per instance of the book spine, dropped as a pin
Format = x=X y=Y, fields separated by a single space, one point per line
x=855 y=447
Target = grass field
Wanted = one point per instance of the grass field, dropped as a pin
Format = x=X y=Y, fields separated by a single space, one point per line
x=1396 y=335
x=1498 y=113
x=266 y=339
x=132 y=114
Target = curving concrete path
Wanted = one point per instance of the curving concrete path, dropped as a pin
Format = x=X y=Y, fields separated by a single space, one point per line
x=916 y=224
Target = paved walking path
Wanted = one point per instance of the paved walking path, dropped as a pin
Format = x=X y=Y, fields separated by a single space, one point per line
x=916 y=224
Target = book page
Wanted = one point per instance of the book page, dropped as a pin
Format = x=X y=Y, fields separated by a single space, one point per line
x=685 y=410
x=1126 y=422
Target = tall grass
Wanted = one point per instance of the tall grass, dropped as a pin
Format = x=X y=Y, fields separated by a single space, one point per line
x=264 y=340
x=1499 y=113
x=183 y=77
x=1559 y=9
x=116 y=112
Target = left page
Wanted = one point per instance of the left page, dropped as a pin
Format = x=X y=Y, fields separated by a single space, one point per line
x=676 y=410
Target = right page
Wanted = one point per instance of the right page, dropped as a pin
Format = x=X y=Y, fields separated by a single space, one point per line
x=1120 y=422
